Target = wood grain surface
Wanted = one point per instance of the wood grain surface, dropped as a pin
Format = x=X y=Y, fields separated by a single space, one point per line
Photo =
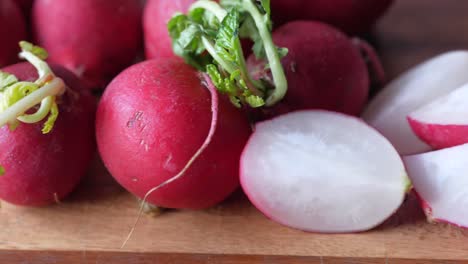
x=91 y=225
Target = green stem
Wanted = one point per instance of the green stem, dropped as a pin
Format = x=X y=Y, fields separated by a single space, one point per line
x=41 y=113
x=279 y=78
x=211 y=6
x=212 y=51
x=251 y=84
x=42 y=67
x=54 y=87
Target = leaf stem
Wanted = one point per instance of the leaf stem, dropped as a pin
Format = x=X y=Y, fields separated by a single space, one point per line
x=54 y=87
x=279 y=78
x=211 y=6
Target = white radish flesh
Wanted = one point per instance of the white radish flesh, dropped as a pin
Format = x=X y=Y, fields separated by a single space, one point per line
x=417 y=87
x=444 y=122
x=322 y=171
x=441 y=180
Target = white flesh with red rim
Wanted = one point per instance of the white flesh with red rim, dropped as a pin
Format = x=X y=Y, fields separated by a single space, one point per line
x=415 y=88
x=441 y=180
x=322 y=171
x=451 y=109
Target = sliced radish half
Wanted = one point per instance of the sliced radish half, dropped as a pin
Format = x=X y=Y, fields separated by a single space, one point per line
x=444 y=122
x=322 y=171
x=441 y=180
x=414 y=89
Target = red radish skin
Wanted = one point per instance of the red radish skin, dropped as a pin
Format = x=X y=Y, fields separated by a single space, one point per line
x=156 y=15
x=324 y=70
x=155 y=116
x=13 y=28
x=351 y=16
x=26 y=6
x=440 y=136
x=106 y=35
x=42 y=169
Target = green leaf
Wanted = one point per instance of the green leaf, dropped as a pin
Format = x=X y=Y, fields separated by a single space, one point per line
x=6 y=80
x=2 y=170
x=36 y=50
x=16 y=92
x=49 y=124
x=266 y=7
x=255 y=101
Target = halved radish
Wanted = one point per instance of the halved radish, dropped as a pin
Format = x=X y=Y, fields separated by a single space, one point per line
x=441 y=181
x=322 y=171
x=444 y=122
x=417 y=87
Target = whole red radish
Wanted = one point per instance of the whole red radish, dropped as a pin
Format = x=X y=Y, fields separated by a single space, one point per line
x=351 y=16
x=156 y=15
x=43 y=168
x=13 y=30
x=152 y=119
x=324 y=70
x=95 y=39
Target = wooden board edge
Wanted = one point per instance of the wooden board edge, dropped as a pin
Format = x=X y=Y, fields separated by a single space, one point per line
x=99 y=257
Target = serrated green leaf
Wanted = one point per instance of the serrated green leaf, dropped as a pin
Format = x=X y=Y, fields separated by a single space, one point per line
x=49 y=124
x=235 y=101
x=282 y=52
x=6 y=80
x=255 y=101
x=227 y=37
x=16 y=92
x=2 y=170
x=36 y=50
x=266 y=7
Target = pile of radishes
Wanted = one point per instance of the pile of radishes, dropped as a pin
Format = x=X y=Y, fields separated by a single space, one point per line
x=229 y=97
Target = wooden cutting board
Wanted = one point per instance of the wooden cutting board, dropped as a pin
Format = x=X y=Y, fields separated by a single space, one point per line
x=91 y=226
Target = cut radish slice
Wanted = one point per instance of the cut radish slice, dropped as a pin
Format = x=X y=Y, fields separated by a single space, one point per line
x=444 y=122
x=419 y=86
x=322 y=171
x=441 y=181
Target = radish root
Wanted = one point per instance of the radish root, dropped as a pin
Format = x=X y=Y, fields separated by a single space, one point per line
x=214 y=120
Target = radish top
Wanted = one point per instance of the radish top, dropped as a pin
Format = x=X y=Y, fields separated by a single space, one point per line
x=18 y=97
x=208 y=38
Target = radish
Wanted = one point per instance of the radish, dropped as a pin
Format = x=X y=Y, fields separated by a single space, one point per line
x=351 y=16
x=156 y=16
x=444 y=122
x=97 y=39
x=441 y=182
x=153 y=118
x=42 y=163
x=324 y=70
x=26 y=6
x=417 y=87
x=306 y=170
x=13 y=28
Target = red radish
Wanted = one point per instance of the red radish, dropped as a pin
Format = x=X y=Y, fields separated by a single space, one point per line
x=13 y=30
x=351 y=16
x=444 y=122
x=441 y=182
x=42 y=169
x=95 y=39
x=324 y=69
x=417 y=87
x=156 y=15
x=26 y=6
x=154 y=116
x=306 y=170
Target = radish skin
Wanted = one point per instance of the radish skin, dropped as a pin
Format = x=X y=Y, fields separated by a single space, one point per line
x=106 y=38
x=42 y=169
x=13 y=28
x=155 y=115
